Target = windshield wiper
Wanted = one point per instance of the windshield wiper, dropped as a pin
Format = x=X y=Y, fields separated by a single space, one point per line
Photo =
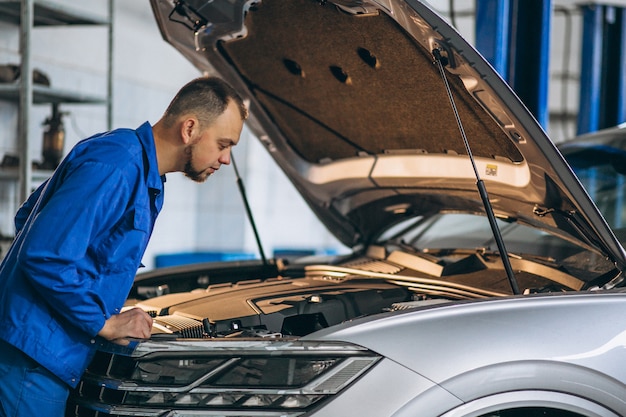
x=439 y=60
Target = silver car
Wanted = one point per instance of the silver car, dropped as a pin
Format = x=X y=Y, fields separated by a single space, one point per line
x=483 y=280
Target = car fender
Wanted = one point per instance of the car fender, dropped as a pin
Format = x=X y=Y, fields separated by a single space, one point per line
x=523 y=399
x=550 y=384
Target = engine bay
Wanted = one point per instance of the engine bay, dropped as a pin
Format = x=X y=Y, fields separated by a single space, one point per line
x=279 y=308
x=322 y=295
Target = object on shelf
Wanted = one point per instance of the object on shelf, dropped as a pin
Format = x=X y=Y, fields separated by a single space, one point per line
x=13 y=161
x=53 y=139
x=10 y=73
x=10 y=161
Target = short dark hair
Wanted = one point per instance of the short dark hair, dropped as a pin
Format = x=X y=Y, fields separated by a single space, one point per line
x=206 y=98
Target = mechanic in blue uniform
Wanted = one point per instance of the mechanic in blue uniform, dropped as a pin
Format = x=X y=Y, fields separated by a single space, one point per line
x=80 y=238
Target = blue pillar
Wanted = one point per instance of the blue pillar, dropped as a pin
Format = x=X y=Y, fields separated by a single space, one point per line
x=492 y=33
x=514 y=36
x=603 y=68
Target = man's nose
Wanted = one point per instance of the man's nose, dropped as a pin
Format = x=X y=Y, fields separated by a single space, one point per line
x=225 y=157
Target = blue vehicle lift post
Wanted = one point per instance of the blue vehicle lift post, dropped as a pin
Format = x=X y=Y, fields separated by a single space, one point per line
x=603 y=68
x=514 y=36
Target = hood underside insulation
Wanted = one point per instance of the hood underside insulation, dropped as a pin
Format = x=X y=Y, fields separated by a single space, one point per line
x=340 y=85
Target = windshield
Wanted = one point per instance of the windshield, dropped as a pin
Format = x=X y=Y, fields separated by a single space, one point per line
x=450 y=234
x=600 y=169
x=468 y=231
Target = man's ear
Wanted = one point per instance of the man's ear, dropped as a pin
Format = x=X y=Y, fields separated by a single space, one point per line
x=187 y=129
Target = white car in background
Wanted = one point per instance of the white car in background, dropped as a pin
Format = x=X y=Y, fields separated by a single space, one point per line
x=483 y=279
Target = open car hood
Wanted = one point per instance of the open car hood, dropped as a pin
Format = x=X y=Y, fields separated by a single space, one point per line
x=347 y=99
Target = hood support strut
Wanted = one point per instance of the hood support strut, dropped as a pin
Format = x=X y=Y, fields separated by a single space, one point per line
x=441 y=61
x=244 y=197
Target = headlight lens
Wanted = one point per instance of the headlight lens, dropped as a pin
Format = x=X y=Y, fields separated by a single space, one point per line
x=269 y=378
x=173 y=372
x=282 y=372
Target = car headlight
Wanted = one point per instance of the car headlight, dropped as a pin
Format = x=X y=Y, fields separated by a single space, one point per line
x=219 y=378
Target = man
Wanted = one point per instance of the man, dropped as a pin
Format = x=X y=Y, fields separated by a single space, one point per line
x=81 y=236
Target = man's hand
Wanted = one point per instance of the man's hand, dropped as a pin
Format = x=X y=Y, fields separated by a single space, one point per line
x=131 y=323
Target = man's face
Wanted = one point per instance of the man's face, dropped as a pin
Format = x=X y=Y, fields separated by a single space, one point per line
x=211 y=148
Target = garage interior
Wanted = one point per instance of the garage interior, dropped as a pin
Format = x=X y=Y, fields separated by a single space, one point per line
x=102 y=64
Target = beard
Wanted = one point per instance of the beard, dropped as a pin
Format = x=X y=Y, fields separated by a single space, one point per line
x=189 y=171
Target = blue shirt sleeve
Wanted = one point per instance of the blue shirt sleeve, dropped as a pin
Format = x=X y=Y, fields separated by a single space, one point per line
x=57 y=252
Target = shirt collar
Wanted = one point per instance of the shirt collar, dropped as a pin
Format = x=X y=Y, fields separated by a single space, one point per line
x=153 y=178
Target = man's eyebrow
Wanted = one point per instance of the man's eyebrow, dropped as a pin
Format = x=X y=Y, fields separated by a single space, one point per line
x=226 y=141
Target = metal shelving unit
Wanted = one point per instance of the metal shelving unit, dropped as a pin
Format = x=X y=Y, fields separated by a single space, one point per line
x=29 y=14
x=46 y=13
x=45 y=95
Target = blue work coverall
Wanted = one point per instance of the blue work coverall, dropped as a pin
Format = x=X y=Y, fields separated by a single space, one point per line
x=79 y=241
